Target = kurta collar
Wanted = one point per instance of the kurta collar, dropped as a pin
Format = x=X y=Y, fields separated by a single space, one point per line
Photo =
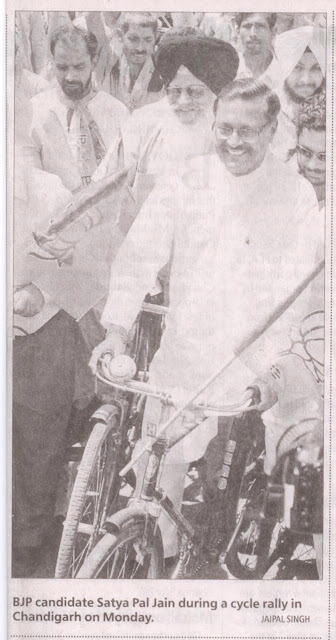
x=250 y=178
x=76 y=104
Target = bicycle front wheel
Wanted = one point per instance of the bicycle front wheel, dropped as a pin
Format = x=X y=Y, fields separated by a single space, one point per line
x=123 y=556
x=96 y=485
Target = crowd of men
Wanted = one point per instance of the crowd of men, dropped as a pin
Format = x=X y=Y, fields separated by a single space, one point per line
x=220 y=120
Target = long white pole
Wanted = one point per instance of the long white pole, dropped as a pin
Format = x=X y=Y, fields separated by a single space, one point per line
x=244 y=344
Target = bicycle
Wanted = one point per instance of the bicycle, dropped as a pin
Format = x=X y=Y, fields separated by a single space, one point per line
x=132 y=544
x=132 y=536
x=277 y=516
x=115 y=427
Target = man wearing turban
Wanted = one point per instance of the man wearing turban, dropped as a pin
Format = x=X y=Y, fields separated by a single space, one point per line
x=161 y=136
x=301 y=62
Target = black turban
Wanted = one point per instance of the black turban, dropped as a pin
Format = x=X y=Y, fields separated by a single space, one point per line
x=211 y=60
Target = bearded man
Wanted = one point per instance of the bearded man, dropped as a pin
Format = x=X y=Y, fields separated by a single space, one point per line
x=73 y=124
x=301 y=62
x=161 y=136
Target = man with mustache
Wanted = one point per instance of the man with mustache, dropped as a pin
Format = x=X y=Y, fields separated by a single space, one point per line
x=127 y=70
x=73 y=124
x=159 y=136
x=256 y=32
x=70 y=128
x=237 y=220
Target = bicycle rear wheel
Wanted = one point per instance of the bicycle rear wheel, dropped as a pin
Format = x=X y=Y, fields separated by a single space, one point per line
x=96 y=486
x=123 y=556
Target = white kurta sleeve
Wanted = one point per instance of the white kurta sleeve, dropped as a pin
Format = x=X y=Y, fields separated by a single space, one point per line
x=132 y=134
x=298 y=244
x=146 y=249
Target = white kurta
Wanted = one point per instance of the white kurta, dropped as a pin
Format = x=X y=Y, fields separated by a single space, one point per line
x=154 y=141
x=236 y=243
x=52 y=150
x=268 y=76
x=55 y=140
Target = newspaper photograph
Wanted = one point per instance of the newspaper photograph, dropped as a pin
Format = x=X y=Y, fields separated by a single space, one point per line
x=170 y=363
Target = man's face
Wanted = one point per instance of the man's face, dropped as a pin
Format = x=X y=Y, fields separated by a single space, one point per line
x=305 y=79
x=255 y=34
x=73 y=69
x=189 y=98
x=244 y=120
x=138 y=44
x=311 y=156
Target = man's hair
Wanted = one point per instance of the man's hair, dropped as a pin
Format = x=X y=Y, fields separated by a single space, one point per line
x=181 y=32
x=248 y=89
x=71 y=36
x=312 y=114
x=270 y=17
x=139 y=19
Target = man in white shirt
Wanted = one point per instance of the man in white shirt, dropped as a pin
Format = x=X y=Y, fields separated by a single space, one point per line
x=256 y=32
x=160 y=136
x=125 y=67
x=236 y=220
x=73 y=124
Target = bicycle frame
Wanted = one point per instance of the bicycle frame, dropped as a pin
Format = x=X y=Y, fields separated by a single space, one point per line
x=148 y=495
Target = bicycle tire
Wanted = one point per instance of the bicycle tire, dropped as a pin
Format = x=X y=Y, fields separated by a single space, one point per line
x=99 y=455
x=104 y=562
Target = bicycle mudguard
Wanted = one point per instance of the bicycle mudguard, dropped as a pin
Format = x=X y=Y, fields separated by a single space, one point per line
x=114 y=524
x=105 y=413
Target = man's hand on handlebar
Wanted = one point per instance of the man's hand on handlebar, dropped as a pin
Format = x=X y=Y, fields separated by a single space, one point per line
x=262 y=395
x=114 y=343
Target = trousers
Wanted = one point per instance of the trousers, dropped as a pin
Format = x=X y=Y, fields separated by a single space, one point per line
x=44 y=366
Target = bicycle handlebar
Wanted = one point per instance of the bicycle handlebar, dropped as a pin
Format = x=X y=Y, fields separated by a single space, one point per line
x=135 y=386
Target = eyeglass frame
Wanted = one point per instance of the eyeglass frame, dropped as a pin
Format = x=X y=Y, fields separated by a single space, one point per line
x=187 y=89
x=255 y=131
x=309 y=154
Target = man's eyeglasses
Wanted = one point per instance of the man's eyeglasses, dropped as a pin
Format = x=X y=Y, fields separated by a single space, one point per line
x=307 y=153
x=224 y=132
x=194 y=91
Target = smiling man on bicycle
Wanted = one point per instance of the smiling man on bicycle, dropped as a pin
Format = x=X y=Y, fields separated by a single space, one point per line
x=235 y=223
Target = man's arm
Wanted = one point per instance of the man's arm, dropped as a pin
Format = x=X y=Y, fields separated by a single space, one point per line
x=307 y=238
x=106 y=58
x=144 y=252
